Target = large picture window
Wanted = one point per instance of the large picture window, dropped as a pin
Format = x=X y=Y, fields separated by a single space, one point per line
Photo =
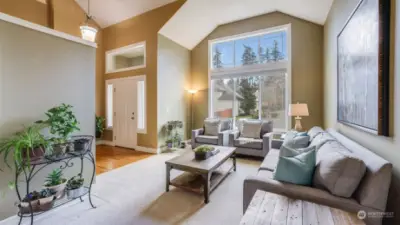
x=249 y=76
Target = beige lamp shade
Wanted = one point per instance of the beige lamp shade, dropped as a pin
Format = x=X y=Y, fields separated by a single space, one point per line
x=298 y=109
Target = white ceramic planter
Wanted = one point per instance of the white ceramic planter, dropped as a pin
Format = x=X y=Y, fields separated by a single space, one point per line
x=75 y=193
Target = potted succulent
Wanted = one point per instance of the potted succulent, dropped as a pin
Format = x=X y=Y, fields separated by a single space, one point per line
x=56 y=183
x=203 y=152
x=63 y=123
x=75 y=187
x=26 y=146
x=99 y=126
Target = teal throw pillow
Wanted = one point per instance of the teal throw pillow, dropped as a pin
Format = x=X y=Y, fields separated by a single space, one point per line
x=295 y=141
x=298 y=168
x=302 y=134
x=287 y=151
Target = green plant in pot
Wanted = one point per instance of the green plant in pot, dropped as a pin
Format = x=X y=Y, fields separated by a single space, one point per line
x=40 y=201
x=62 y=123
x=172 y=131
x=75 y=187
x=204 y=152
x=56 y=183
x=99 y=126
x=26 y=146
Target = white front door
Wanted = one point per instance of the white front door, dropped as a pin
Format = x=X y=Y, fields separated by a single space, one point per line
x=125 y=113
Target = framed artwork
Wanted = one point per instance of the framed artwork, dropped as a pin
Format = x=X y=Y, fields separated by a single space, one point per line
x=363 y=68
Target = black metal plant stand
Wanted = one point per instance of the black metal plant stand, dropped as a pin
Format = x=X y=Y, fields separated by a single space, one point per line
x=66 y=162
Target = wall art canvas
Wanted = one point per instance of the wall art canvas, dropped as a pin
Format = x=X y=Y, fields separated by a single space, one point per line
x=363 y=68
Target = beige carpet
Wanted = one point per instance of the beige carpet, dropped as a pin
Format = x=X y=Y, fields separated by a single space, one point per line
x=135 y=195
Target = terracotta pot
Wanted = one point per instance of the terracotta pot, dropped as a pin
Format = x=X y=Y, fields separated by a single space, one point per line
x=58 y=189
x=34 y=154
x=46 y=203
x=25 y=209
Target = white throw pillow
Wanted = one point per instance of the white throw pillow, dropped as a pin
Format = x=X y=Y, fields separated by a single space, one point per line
x=251 y=129
x=212 y=127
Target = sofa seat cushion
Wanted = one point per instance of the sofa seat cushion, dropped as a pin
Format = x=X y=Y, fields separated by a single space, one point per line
x=249 y=143
x=338 y=170
x=205 y=139
x=270 y=161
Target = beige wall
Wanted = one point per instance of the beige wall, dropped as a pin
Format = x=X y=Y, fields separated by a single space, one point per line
x=65 y=16
x=307 y=52
x=61 y=71
x=173 y=79
x=144 y=27
x=388 y=148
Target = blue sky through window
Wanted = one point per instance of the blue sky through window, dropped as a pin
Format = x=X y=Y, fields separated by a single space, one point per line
x=265 y=41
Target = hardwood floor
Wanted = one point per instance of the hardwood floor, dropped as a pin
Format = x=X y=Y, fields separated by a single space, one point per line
x=109 y=157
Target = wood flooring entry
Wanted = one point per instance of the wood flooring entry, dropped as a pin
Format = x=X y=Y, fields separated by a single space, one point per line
x=109 y=157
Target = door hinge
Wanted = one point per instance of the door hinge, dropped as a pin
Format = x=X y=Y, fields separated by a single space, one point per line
x=115 y=89
x=115 y=138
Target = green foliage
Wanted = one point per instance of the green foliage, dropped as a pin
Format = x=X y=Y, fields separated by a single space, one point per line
x=54 y=178
x=22 y=143
x=268 y=55
x=75 y=182
x=62 y=121
x=249 y=56
x=172 y=130
x=203 y=149
x=276 y=55
x=100 y=124
x=217 y=62
x=35 y=195
x=247 y=91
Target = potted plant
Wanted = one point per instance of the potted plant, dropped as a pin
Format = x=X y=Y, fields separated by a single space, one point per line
x=75 y=187
x=81 y=144
x=56 y=183
x=203 y=152
x=172 y=131
x=46 y=200
x=169 y=142
x=39 y=201
x=63 y=123
x=26 y=146
x=99 y=126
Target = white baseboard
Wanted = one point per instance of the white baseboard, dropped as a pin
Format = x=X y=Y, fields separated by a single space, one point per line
x=105 y=142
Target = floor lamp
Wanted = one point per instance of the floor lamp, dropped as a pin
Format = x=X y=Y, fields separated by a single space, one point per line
x=192 y=92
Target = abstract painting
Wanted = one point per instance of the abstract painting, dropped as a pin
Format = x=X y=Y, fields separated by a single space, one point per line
x=363 y=68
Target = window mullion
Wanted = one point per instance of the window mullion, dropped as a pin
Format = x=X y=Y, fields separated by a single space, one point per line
x=234 y=104
x=260 y=97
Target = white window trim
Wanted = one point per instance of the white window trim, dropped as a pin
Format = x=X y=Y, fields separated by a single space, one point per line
x=112 y=53
x=138 y=78
x=226 y=73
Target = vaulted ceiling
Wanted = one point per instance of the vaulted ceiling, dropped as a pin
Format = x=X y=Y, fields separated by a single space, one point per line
x=198 y=18
x=109 y=12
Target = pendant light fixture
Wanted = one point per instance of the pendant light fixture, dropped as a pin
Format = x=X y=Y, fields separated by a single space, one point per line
x=88 y=32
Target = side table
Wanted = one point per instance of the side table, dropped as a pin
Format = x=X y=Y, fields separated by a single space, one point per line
x=277 y=140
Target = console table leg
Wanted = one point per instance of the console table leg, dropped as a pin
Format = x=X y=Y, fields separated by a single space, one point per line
x=207 y=187
x=167 y=178
x=234 y=162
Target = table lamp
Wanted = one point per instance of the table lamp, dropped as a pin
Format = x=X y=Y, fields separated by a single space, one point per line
x=298 y=110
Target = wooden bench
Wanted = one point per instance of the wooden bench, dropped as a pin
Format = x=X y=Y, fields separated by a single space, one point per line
x=268 y=208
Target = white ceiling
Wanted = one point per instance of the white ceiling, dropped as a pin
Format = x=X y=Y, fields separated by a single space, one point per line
x=198 y=18
x=109 y=12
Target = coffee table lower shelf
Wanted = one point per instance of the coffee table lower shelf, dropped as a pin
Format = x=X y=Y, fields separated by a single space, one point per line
x=195 y=182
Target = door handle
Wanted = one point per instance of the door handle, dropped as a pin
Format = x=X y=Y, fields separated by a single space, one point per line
x=133 y=113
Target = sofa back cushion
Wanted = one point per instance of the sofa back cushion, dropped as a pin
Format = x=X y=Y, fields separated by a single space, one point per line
x=374 y=186
x=320 y=139
x=314 y=132
x=251 y=129
x=338 y=170
x=212 y=127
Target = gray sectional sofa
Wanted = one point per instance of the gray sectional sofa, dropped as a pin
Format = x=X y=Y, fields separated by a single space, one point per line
x=370 y=195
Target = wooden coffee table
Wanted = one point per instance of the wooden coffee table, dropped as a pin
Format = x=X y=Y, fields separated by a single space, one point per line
x=200 y=176
x=269 y=208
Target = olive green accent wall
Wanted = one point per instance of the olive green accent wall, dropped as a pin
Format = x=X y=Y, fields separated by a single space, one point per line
x=307 y=61
x=388 y=148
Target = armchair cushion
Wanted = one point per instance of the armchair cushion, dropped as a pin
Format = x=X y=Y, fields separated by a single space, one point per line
x=206 y=139
x=249 y=143
x=251 y=129
x=266 y=127
x=212 y=127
